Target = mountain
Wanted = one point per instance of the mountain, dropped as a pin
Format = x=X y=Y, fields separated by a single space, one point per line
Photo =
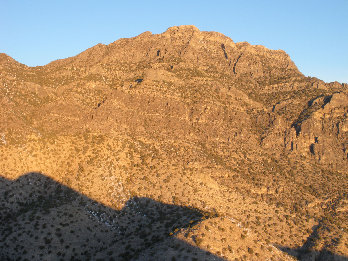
x=188 y=119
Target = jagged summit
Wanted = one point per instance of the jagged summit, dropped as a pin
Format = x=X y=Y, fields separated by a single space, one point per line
x=188 y=45
x=182 y=29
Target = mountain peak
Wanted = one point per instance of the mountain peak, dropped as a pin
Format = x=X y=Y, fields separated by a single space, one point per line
x=183 y=28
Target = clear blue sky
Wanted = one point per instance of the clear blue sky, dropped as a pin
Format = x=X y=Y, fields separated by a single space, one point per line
x=313 y=32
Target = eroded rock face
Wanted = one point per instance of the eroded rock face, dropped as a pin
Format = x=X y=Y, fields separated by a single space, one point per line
x=318 y=132
x=321 y=133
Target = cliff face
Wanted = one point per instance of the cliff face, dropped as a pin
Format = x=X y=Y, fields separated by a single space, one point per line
x=318 y=133
x=188 y=118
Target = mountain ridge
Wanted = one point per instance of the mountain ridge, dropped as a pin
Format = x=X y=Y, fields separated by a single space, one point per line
x=193 y=119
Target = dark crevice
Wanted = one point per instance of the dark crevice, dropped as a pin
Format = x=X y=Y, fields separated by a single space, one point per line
x=327 y=99
x=297 y=127
x=235 y=64
x=311 y=149
x=223 y=48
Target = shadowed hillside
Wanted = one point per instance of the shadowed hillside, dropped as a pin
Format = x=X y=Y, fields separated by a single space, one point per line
x=44 y=220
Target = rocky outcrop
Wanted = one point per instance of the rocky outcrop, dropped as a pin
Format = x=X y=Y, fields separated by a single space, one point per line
x=320 y=131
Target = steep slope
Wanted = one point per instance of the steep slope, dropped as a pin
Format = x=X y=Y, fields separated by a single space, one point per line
x=193 y=119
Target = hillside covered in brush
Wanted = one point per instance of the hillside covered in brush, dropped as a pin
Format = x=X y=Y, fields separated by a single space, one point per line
x=192 y=146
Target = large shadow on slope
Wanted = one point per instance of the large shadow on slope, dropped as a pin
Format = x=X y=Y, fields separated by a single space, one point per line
x=41 y=219
x=304 y=253
x=307 y=255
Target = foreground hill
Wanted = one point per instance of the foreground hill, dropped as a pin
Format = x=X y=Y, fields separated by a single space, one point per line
x=187 y=119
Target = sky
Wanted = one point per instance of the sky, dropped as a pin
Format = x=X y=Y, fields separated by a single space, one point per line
x=313 y=32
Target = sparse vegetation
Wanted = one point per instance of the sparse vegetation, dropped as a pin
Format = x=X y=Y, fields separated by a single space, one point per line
x=240 y=159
